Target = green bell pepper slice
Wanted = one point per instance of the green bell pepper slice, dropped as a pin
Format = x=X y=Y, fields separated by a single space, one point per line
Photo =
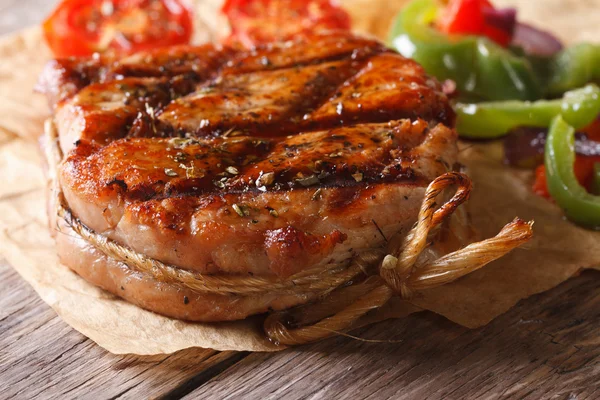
x=579 y=206
x=573 y=67
x=482 y=69
x=495 y=119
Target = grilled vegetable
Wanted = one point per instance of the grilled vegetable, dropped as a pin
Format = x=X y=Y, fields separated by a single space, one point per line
x=580 y=206
x=481 y=68
x=495 y=119
x=83 y=27
x=534 y=41
x=259 y=21
x=467 y=45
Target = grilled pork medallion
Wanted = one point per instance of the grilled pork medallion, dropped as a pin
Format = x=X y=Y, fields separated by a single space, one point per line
x=268 y=163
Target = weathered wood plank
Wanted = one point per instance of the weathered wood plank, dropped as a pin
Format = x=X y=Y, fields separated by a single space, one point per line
x=42 y=357
x=546 y=347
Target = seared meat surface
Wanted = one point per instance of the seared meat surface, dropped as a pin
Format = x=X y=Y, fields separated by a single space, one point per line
x=269 y=162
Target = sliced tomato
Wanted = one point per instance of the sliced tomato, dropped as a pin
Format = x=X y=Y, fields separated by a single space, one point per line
x=592 y=131
x=82 y=27
x=258 y=21
x=540 y=185
x=466 y=17
x=583 y=168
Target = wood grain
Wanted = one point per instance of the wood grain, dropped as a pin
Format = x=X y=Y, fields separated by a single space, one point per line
x=42 y=357
x=546 y=347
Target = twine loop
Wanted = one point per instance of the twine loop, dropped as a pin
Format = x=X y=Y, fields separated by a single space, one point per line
x=399 y=272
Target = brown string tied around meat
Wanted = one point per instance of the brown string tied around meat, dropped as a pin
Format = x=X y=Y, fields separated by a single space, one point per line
x=397 y=266
x=399 y=271
x=320 y=280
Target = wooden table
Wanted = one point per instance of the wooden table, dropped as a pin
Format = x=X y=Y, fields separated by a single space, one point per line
x=546 y=347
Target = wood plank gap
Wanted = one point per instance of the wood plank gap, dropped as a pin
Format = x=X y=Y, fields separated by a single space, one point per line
x=216 y=365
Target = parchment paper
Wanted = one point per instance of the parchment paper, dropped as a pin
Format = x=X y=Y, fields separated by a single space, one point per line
x=558 y=251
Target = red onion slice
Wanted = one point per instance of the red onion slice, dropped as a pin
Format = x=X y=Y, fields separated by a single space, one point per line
x=536 y=41
x=585 y=146
x=524 y=147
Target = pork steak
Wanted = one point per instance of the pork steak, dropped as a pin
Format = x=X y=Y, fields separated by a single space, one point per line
x=290 y=157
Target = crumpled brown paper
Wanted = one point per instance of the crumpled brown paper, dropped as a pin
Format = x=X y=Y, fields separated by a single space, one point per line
x=558 y=251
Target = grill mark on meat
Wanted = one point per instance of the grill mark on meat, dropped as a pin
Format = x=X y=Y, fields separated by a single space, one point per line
x=106 y=112
x=338 y=48
x=388 y=87
x=198 y=63
x=346 y=157
x=270 y=103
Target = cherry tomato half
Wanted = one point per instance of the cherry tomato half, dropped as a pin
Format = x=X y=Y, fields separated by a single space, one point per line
x=82 y=27
x=259 y=21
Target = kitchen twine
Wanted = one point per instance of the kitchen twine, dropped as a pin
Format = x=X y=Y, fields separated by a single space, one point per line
x=345 y=291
